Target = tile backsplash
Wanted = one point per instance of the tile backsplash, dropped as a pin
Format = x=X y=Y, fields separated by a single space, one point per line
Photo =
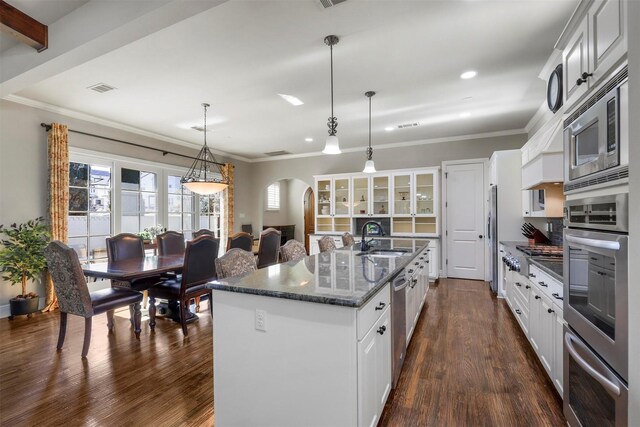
x=555 y=235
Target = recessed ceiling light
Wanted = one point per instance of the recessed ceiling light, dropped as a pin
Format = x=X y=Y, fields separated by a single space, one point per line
x=468 y=74
x=308 y=139
x=389 y=128
x=465 y=114
x=291 y=99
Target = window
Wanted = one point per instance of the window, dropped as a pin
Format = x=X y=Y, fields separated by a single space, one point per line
x=210 y=213
x=89 y=220
x=139 y=198
x=180 y=207
x=273 y=197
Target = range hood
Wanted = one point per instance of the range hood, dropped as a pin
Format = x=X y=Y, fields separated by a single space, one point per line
x=545 y=167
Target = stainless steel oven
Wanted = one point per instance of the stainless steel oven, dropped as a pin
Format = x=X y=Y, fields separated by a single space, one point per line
x=608 y=213
x=594 y=395
x=595 y=136
x=595 y=292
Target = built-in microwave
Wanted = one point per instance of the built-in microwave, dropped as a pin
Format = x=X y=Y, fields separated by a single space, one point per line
x=595 y=134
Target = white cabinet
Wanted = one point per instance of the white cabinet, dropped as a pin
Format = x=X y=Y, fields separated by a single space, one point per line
x=374 y=371
x=558 y=343
x=333 y=204
x=371 y=195
x=598 y=44
x=415 y=202
x=533 y=203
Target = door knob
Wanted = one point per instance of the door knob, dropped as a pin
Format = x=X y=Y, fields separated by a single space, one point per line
x=480 y=236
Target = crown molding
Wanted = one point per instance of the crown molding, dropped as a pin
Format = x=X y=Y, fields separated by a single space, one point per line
x=397 y=145
x=115 y=125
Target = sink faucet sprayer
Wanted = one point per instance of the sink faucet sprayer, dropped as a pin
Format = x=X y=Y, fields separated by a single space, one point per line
x=364 y=244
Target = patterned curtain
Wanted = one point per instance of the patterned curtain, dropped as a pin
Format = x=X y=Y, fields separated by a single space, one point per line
x=228 y=201
x=58 y=197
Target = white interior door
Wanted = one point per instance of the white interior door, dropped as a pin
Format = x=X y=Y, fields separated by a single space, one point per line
x=465 y=220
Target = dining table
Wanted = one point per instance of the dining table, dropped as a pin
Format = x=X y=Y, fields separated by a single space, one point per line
x=125 y=271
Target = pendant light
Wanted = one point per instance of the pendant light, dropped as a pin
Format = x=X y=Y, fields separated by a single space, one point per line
x=369 y=167
x=332 y=146
x=205 y=176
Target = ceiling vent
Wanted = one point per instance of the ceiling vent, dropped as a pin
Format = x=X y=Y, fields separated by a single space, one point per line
x=101 y=88
x=329 y=3
x=408 y=125
x=277 y=153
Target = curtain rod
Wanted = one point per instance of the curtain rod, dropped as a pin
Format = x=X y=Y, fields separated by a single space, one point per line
x=164 y=152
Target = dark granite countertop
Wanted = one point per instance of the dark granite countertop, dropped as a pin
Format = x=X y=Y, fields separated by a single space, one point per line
x=341 y=277
x=552 y=266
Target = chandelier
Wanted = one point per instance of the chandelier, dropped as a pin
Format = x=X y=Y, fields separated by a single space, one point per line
x=205 y=176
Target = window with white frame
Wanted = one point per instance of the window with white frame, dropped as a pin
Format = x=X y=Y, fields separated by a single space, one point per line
x=139 y=200
x=210 y=213
x=273 y=197
x=180 y=207
x=89 y=221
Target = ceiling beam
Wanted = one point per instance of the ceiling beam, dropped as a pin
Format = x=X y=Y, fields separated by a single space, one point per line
x=23 y=27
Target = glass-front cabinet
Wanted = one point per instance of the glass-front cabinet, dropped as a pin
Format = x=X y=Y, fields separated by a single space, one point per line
x=415 y=203
x=333 y=204
x=402 y=191
x=370 y=196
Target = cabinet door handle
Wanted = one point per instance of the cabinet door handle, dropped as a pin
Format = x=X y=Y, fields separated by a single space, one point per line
x=544 y=285
x=380 y=306
x=532 y=275
x=557 y=296
x=381 y=329
x=518 y=284
x=583 y=78
x=537 y=297
x=527 y=287
x=550 y=311
x=518 y=311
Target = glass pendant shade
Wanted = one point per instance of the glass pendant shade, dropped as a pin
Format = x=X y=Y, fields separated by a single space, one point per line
x=332 y=145
x=205 y=176
x=369 y=167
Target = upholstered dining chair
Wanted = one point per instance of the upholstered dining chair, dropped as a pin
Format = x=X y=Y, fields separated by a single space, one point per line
x=269 y=247
x=235 y=262
x=292 y=251
x=326 y=244
x=240 y=240
x=170 y=243
x=199 y=268
x=204 y=232
x=74 y=296
x=347 y=239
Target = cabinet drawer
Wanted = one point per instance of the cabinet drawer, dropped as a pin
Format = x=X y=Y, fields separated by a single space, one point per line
x=367 y=315
x=522 y=315
x=521 y=288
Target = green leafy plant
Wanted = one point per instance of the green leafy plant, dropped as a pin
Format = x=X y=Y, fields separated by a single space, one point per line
x=151 y=232
x=22 y=257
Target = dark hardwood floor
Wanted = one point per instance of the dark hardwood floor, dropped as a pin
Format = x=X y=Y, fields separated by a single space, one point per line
x=468 y=364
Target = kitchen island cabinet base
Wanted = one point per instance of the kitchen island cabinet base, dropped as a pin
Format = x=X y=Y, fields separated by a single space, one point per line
x=301 y=370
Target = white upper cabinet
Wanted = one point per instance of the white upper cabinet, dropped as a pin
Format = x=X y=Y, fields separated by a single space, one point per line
x=607 y=36
x=575 y=60
x=598 y=44
x=333 y=204
x=371 y=195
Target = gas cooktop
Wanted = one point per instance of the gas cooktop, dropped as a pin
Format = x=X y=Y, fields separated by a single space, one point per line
x=541 y=250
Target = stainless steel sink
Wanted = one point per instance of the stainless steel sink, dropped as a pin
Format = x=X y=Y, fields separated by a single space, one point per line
x=385 y=253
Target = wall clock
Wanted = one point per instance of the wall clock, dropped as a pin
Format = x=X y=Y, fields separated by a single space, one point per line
x=554 y=89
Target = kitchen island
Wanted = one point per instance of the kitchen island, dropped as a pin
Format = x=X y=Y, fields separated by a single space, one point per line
x=307 y=342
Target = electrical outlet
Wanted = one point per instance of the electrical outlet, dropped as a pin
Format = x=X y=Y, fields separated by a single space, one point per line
x=261 y=320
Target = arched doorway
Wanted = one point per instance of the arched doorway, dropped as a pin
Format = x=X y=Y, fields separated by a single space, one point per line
x=309 y=216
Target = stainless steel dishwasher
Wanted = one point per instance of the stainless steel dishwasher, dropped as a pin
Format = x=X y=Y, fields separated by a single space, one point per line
x=399 y=324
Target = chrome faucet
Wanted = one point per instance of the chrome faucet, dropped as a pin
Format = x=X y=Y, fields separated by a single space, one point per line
x=364 y=244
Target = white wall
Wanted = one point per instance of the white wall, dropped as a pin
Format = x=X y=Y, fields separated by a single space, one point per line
x=23 y=166
x=291 y=206
x=280 y=217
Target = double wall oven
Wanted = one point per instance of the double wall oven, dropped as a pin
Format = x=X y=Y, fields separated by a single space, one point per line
x=595 y=307
x=596 y=260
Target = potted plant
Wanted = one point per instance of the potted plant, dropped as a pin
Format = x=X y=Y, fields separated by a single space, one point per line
x=149 y=234
x=22 y=259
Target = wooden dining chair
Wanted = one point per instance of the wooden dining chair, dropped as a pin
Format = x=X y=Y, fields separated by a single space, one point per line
x=292 y=251
x=326 y=244
x=170 y=243
x=199 y=268
x=240 y=240
x=235 y=262
x=347 y=239
x=74 y=296
x=269 y=247
x=203 y=232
